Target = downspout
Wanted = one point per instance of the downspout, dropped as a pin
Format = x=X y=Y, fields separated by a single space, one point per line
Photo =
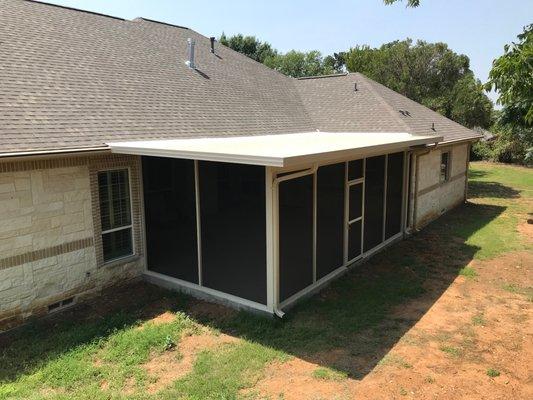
x=275 y=190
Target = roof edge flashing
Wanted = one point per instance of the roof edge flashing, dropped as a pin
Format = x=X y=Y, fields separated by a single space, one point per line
x=276 y=150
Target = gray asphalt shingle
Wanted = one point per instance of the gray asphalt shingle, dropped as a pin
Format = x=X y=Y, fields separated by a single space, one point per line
x=74 y=79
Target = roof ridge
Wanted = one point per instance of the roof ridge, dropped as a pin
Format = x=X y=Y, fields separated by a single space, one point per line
x=160 y=22
x=74 y=9
x=436 y=115
x=301 y=78
x=383 y=101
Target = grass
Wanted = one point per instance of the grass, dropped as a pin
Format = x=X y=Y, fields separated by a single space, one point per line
x=396 y=360
x=468 y=272
x=514 y=288
x=329 y=374
x=479 y=320
x=451 y=350
x=103 y=357
x=503 y=187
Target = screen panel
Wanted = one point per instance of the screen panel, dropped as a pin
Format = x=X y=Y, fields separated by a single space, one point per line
x=374 y=196
x=233 y=229
x=393 y=224
x=355 y=169
x=354 y=240
x=356 y=201
x=330 y=218
x=170 y=217
x=295 y=235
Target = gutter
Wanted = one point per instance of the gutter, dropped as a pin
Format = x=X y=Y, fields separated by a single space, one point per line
x=457 y=141
x=53 y=152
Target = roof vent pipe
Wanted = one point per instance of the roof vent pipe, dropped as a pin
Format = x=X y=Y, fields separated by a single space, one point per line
x=212 y=39
x=190 y=52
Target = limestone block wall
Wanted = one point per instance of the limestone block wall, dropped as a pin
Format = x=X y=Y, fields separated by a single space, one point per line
x=50 y=238
x=435 y=198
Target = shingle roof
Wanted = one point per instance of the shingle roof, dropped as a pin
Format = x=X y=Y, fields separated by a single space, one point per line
x=75 y=79
x=334 y=104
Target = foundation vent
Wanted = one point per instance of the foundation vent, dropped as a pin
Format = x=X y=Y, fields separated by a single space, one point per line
x=60 y=305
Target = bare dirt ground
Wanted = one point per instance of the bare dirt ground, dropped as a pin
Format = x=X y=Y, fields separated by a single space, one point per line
x=475 y=325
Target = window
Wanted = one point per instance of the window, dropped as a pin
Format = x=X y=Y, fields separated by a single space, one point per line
x=445 y=166
x=115 y=214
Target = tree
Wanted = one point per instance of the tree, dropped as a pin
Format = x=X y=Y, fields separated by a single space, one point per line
x=298 y=64
x=336 y=62
x=294 y=63
x=428 y=73
x=512 y=77
x=410 y=3
x=249 y=46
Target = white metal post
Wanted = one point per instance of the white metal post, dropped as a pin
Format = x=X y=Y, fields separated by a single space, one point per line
x=270 y=240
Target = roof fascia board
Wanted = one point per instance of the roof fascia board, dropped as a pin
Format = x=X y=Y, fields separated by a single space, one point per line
x=272 y=161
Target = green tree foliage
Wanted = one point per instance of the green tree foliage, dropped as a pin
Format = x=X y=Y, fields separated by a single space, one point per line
x=249 y=46
x=512 y=77
x=429 y=73
x=298 y=64
x=294 y=63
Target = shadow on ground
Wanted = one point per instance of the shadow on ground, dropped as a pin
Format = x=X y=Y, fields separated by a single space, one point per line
x=350 y=326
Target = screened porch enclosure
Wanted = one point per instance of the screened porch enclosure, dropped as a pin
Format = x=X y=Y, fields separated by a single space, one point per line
x=206 y=222
x=334 y=215
x=261 y=221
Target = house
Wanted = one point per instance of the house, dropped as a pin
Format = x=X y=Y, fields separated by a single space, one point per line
x=135 y=148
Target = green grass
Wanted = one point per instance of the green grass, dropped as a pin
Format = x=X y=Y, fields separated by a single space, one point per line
x=468 y=272
x=499 y=189
x=329 y=374
x=102 y=358
x=395 y=360
x=451 y=350
x=479 y=320
x=514 y=288
x=493 y=373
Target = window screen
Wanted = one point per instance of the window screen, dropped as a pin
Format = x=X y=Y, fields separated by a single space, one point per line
x=374 y=196
x=115 y=213
x=355 y=169
x=354 y=240
x=445 y=166
x=295 y=235
x=233 y=229
x=393 y=224
x=330 y=218
x=170 y=217
x=356 y=201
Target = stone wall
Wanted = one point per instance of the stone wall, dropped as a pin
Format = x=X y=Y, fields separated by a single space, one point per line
x=434 y=197
x=50 y=241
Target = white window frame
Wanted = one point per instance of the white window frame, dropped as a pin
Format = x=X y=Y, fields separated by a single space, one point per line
x=130 y=226
x=448 y=166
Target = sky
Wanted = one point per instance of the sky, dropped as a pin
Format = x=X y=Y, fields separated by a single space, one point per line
x=477 y=28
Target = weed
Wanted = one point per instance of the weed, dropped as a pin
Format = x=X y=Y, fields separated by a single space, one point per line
x=452 y=351
x=479 y=319
x=169 y=343
x=493 y=373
